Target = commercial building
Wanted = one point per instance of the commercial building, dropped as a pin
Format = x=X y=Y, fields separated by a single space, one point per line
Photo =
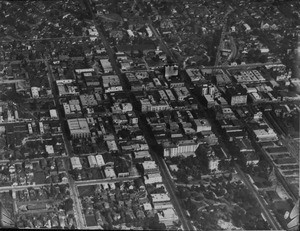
x=150 y=167
x=100 y=160
x=236 y=95
x=67 y=87
x=88 y=100
x=72 y=108
x=75 y=162
x=160 y=197
x=92 y=161
x=171 y=70
x=168 y=217
x=147 y=105
x=264 y=135
x=202 y=125
x=153 y=178
x=180 y=148
x=111 y=83
x=106 y=65
x=79 y=128
x=195 y=75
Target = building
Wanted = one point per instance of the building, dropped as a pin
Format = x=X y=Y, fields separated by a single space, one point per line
x=160 y=197
x=88 y=100
x=180 y=148
x=209 y=101
x=202 y=125
x=150 y=167
x=75 y=162
x=72 y=108
x=79 y=128
x=236 y=95
x=213 y=163
x=111 y=83
x=35 y=92
x=67 y=87
x=106 y=65
x=171 y=70
x=100 y=160
x=49 y=149
x=6 y=218
x=109 y=172
x=153 y=178
x=195 y=75
x=181 y=93
x=264 y=135
x=92 y=161
x=53 y=114
x=112 y=145
x=168 y=217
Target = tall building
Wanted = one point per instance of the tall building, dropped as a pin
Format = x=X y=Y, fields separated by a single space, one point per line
x=6 y=218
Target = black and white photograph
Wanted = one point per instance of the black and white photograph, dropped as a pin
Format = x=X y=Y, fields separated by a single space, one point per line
x=177 y=115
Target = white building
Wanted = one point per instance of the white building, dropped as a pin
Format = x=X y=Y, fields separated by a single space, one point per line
x=126 y=107
x=160 y=197
x=92 y=161
x=153 y=178
x=106 y=65
x=100 y=160
x=264 y=135
x=150 y=167
x=181 y=148
x=168 y=216
x=142 y=154
x=202 y=125
x=53 y=114
x=76 y=164
x=49 y=149
x=35 y=92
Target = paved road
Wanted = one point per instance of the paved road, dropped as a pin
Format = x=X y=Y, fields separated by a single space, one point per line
x=263 y=205
x=284 y=137
x=99 y=181
x=233 y=53
x=164 y=47
x=73 y=190
x=171 y=189
x=278 y=174
x=221 y=43
x=20 y=187
x=242 y=66
x=42 y=39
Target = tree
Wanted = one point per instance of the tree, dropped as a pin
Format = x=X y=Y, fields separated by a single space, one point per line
x=68 y=205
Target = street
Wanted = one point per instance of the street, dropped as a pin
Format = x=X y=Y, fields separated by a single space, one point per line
x=73 y=191
x=275 y=225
